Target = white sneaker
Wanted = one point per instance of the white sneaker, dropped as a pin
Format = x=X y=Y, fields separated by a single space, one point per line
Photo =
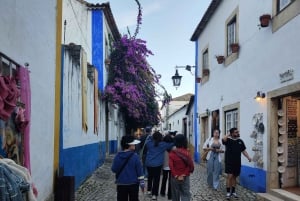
x=154 y=197
x=235 y=196
x=228 y=195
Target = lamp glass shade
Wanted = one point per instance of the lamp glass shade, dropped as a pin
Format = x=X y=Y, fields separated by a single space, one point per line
x=176 y=79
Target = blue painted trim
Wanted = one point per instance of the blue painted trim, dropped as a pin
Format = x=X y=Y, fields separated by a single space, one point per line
x=97 y=45
x=82 y=161
x=196 y=126
x=102 y=151
x=253 y=179
x=113 y=146
x=61 y=159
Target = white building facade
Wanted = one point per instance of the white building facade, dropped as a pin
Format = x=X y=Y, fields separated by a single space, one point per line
x=177 y=120
x=64 y=45
x=90 y=127
x=171 y=107
x=265 y=64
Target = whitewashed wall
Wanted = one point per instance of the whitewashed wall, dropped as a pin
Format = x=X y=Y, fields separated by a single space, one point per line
x=176 y=120
x=253 y=71
x=28 y=35
x=78 y=29
x=168 y=110
x=73 y=133
x=190 y=127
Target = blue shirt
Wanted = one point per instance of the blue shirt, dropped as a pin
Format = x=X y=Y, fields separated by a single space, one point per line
x=132 y=171
x=155 y=154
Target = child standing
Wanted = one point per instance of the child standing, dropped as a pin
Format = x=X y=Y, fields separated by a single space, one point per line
x=128 y=169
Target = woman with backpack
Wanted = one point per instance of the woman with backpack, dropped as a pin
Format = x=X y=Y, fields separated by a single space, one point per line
x=181 y=166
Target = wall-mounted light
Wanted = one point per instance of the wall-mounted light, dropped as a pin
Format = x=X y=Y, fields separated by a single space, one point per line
x=207 y=112
x=259 y=95
x=177 y=78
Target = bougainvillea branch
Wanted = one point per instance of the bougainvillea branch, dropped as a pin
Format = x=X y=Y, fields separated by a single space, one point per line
x=139 y=19
x=131 y=80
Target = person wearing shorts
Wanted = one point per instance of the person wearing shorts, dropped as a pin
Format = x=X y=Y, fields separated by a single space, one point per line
x=234 y=148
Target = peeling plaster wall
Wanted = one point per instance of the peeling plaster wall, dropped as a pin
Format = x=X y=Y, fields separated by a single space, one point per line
x=80 y=154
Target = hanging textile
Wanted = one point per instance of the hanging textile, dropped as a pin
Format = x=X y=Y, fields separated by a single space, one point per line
x=26 y=99
x=84 y=91
x=96 y=101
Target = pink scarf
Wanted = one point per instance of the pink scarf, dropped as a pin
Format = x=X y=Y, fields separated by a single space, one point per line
x=26 y=99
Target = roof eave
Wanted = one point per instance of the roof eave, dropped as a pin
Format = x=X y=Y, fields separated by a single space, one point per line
x=190 y=105
x=205 y=19
x=108 y=15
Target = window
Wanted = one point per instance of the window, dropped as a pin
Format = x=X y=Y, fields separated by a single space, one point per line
x=231 y=34
x=283 y=12
x=231 y=119
x=205 y=59
x=205 y=65
x=282 y=4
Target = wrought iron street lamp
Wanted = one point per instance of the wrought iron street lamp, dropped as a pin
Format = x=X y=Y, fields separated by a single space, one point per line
x=177 y=78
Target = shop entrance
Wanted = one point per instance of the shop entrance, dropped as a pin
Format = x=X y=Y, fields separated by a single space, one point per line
x=288 y=149
x=204 y=131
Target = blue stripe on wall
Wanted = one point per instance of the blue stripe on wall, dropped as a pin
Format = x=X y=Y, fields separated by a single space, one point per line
x=113 y=146
x=82 y=161
x=97 y=45
x=253 y=179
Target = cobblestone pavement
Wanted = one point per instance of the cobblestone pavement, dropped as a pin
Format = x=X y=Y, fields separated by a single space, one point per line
x=100 y=186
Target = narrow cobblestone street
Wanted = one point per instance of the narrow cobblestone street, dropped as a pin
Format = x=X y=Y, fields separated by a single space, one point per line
x=101 y=187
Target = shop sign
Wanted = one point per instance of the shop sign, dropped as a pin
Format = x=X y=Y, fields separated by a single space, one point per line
x=286 y=76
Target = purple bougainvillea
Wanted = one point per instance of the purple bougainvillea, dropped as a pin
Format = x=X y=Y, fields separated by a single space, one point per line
x=131 y=80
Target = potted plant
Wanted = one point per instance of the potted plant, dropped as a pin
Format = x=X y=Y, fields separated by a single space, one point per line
x=234 y=47
x=205 y=71
x=264 y=20
x=220 y=59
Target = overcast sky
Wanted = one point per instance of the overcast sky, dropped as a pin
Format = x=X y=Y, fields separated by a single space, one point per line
x=167 y=26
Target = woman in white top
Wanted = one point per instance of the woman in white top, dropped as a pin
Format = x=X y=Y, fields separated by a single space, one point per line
x=214 y=158
x=166 y=180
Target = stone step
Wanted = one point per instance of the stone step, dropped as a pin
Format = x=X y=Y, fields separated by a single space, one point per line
x=285 y=195
x=267 y=197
